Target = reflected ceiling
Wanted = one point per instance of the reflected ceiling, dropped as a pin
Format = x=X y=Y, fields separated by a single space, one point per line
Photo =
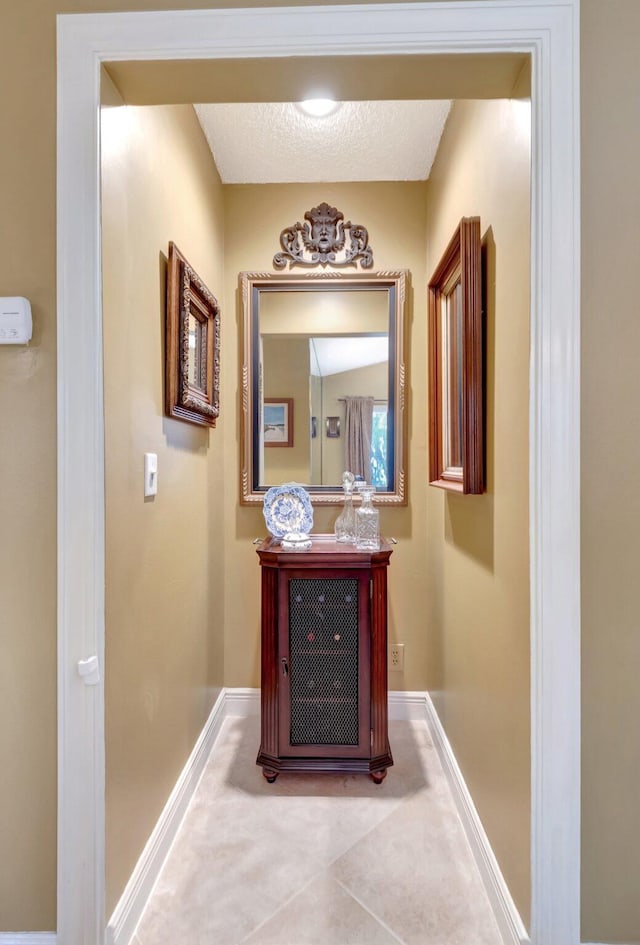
x=335 y=355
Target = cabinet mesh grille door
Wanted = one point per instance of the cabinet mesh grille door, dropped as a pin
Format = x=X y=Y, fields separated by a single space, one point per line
x=323 y=661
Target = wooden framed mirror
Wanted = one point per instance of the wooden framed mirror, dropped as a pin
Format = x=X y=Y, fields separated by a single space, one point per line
x=192 y=353
x=319 y=339
x=456 y=408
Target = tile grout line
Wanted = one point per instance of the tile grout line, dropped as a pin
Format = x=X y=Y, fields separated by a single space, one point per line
x=404 y=800
x=136 y=938
x=325 y=869
x=322 y=869
x=362 y=905
x=280 y=907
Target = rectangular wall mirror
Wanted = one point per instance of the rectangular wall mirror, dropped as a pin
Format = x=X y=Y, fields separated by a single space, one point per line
x=318 y=339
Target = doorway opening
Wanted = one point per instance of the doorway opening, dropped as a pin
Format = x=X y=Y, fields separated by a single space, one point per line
x=554 y=281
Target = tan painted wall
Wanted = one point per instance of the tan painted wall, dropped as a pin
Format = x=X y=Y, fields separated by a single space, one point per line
x=165 y=566
x=315 y=385
x=611 y=829
x=478 y=574
x=385 y=77
x=610 y=457
x=286 y=374
x=395 y=217
x=315 y=313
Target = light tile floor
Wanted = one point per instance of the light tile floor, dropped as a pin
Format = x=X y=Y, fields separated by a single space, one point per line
x=320 y=859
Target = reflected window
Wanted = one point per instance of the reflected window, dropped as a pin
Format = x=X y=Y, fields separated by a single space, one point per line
x=379 y=448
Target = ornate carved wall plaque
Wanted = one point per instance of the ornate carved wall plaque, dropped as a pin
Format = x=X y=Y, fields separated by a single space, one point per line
x=324 y=239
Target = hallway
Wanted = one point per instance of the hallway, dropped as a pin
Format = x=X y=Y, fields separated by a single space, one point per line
x=324 y=859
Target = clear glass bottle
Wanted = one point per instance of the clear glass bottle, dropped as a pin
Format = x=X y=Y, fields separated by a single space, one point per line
x=367 y=521
x=345 y=527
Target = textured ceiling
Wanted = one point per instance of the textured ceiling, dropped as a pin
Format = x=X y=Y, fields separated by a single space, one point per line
x=269 y=143
x=335 y=355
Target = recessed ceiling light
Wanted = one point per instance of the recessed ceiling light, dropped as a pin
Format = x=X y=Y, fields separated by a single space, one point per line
x=318 y=107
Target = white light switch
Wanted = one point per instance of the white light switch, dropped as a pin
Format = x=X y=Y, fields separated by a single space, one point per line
x=150 y=473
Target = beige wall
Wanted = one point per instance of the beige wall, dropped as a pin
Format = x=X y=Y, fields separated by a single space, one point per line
x=317 y=313
x=315 y=385
x=164 y=579
x=611 y=828
x=395 y=217
x=610 y=456
x=286 y=374
x=478 y=573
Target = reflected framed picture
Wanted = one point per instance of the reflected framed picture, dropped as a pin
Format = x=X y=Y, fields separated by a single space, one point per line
x=333 y=427
x=277 y=421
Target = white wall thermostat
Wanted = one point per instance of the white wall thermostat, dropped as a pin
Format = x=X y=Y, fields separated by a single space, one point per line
x=16 y=325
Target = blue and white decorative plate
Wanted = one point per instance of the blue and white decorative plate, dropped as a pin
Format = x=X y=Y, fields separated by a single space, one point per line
x=287 y=509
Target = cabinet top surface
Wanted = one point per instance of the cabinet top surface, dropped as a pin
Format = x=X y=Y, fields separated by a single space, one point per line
x=323 y=546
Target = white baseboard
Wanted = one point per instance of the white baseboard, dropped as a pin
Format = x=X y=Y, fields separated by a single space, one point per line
x=27 y=938
x=407 y=706
x=507 y=916
x=128 y=912
x=241 y=703
x=403 y=706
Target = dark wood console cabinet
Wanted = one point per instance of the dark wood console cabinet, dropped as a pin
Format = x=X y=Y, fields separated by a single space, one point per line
x=324 y=659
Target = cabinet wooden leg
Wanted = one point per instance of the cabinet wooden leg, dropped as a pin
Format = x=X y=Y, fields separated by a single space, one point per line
x=270 y=774
x=379 y=776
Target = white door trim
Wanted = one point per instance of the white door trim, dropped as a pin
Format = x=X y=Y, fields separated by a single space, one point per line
x=549 y=30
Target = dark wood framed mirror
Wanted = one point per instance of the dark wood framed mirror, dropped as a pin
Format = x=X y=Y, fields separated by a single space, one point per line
x=456 y=408
x=322 y=339
x=192 y=352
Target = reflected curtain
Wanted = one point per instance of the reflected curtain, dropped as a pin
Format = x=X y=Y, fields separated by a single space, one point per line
x=358 y=423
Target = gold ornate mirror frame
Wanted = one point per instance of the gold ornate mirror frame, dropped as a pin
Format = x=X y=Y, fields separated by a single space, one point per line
x=253 y=287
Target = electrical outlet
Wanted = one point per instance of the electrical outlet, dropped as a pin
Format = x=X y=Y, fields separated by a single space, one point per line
x=396 y=663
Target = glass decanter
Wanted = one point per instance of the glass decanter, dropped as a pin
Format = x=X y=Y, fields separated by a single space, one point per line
x=367 y=521
x=345 y=527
